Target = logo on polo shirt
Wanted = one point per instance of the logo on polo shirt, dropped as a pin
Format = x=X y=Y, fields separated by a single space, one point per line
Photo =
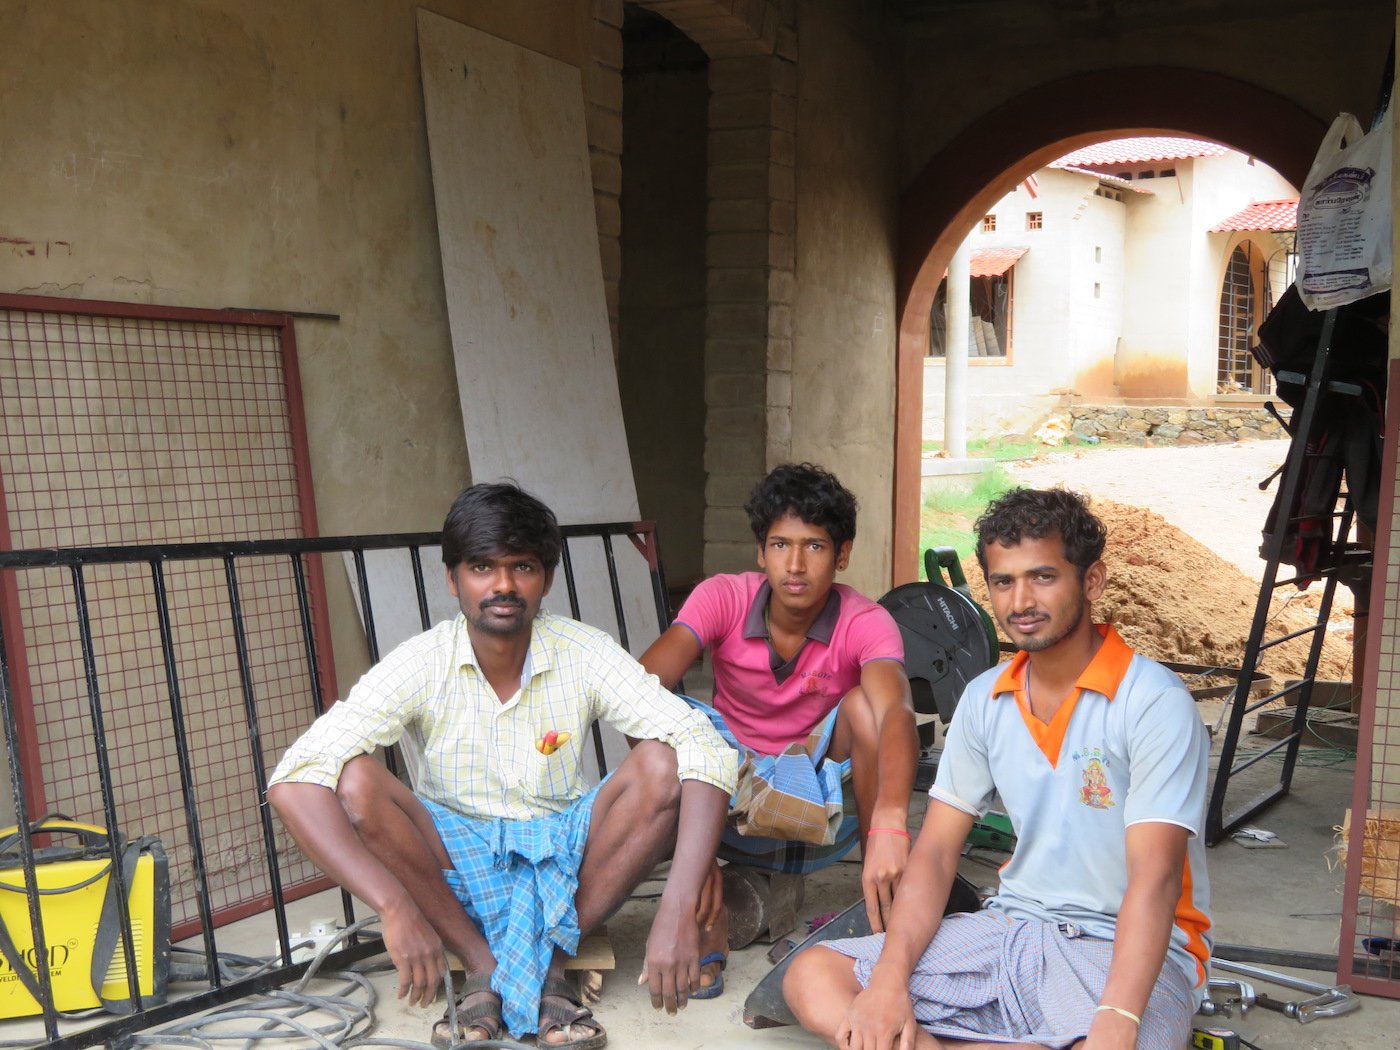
x=1095 y=793
x=812 y=682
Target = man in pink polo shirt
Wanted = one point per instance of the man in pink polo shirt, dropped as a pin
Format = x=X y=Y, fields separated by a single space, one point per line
x=809 y=686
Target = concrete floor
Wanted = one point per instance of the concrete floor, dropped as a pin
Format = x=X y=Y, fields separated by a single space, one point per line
x=1280 y=898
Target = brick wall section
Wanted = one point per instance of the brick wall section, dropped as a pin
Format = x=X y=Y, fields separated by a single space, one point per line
x=602 y=99
x=752 y=47
x=725 y=29
x=748 y=345
x=730 y=28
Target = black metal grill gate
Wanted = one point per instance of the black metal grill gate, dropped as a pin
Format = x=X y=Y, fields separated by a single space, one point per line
x=77 y=562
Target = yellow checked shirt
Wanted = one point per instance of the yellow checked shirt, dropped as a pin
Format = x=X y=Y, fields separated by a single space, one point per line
x=478 y=754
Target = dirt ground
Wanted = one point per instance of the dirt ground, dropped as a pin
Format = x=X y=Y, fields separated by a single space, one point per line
x=1210 y=492
x=1184 y=534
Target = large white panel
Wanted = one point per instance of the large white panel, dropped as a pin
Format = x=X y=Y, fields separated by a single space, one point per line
x=525 y=300
x=523 y=275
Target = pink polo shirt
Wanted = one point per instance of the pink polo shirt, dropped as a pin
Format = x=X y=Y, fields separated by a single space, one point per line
x=767 y=703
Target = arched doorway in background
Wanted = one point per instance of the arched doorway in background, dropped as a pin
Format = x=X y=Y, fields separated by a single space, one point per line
x=1244 y=301
x=1006 y=144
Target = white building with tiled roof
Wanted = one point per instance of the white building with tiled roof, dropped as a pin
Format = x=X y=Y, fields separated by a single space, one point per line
x=1137 y=268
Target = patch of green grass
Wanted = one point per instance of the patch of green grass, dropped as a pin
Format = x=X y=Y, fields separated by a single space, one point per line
x=1001 y=449
x=948 y=514
x=961 y=540
x=997 y=448
x=969 y=502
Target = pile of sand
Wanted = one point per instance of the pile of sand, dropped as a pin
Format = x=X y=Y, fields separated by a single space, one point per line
x=1174 y=599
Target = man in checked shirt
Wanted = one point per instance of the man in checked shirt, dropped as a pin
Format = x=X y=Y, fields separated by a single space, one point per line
x=502 y=855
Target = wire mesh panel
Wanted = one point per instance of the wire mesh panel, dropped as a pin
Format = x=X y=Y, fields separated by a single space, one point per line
x=1369 y=959
x=122 y=430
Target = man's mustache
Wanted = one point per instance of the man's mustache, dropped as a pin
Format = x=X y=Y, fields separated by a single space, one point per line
x=503 y=599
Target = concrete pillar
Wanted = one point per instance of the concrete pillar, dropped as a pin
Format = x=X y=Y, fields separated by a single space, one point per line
x=955 y=366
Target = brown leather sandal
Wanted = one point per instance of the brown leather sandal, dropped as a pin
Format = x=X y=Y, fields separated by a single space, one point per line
x=485 y=1016
x=556 y=1016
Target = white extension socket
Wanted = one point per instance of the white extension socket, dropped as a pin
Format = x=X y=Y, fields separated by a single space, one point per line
x=319 y=934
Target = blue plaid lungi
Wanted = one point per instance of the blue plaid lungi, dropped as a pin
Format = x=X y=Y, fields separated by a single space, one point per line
x=818 y=780
x=517 y=881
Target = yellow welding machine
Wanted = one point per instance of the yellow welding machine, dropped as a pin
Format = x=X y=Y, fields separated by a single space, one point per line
x=84 y=945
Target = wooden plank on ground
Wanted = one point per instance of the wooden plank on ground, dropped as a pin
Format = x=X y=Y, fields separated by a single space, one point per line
x=595 y=952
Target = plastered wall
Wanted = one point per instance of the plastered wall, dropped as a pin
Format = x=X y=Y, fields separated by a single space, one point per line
x=843 y=316
x=264 y=154
x=1162 y=240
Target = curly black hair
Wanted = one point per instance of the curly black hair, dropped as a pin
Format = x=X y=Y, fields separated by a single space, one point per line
x=808 y=491
x=500 y=517
x=1039 y=513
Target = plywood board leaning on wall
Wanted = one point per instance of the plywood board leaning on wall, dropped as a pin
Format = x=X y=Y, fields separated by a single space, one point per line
x=524 y=285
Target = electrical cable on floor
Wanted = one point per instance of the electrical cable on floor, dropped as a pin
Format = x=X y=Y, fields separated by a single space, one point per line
x=286 y=1013
x=281 y=1010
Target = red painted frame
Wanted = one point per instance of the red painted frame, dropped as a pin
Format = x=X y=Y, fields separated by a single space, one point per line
x=296 y=421
x=1361 y=787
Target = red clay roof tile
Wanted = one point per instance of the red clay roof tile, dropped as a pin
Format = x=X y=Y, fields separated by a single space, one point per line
x=1140 y=151
x=1265 y=215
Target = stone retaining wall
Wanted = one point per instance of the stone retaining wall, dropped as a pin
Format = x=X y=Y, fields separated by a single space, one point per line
x=1174 y=425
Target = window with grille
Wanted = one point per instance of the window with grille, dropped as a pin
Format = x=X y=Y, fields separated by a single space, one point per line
x=1035 y=220
x=989 y=322
x=1238 y=372
x=989 y=224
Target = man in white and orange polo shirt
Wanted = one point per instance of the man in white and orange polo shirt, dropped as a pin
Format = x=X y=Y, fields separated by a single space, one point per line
x=1098 y=936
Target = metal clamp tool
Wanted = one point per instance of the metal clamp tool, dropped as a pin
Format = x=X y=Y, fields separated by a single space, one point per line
x=1223 y=994
x=1325 y=1001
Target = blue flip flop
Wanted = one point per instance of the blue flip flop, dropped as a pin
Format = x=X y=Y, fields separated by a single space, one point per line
x=715 y=990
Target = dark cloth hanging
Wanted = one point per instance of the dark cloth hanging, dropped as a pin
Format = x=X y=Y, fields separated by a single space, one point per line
x=1345 y=438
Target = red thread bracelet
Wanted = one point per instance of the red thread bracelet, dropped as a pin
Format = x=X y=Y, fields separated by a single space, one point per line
x=890 y=831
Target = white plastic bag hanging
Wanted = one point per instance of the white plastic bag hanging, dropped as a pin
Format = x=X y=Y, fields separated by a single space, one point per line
x=1344 y=249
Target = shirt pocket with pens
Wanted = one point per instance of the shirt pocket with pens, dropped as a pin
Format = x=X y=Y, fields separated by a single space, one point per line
x=554 y=761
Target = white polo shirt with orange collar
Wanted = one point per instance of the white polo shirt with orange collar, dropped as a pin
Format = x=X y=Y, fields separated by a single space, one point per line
x=1126 y=746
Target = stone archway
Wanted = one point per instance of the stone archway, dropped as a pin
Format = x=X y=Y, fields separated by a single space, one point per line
x=987 y=158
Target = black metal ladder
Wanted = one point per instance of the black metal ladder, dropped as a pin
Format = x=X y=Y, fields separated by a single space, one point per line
x=1339 y=558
